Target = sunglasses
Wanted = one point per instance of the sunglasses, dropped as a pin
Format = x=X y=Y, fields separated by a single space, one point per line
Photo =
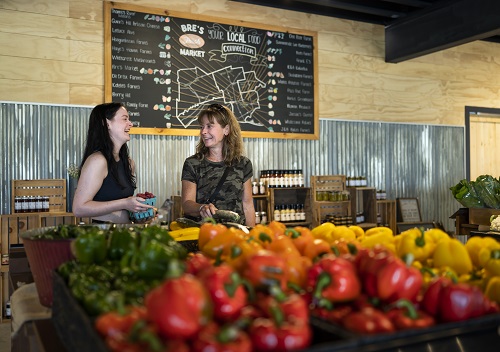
x=217 y=107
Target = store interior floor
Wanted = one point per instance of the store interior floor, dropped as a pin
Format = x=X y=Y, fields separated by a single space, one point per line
x=5 y=335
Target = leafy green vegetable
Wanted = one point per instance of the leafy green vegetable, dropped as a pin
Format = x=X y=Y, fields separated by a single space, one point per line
x=466 y=195
x=488 y=188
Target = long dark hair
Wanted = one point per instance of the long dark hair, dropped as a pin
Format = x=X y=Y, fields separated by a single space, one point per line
x=233 y=148
x=98 y=140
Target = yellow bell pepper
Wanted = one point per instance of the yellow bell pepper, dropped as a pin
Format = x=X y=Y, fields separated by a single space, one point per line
x=475 y=244
x=437 y=235
x=475 y=278
x=376 y=230
x=384 y=238
x=342 y=232
x=452 y=253
x=493 y=289
x=416 y=242
x=489 y=259
x=324 y=231
x=358 y=230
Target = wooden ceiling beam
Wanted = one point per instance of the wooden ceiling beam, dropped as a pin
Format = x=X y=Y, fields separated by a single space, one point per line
x=439 y=28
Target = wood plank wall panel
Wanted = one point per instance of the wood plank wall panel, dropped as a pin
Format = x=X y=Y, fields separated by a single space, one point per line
x=52 y=52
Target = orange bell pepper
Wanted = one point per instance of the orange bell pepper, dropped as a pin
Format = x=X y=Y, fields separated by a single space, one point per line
x=208 y=231
x=221 y=244
x=278 y=228
x=261 y=234
x=238 y=253
x=300 y=237
x=316 y=248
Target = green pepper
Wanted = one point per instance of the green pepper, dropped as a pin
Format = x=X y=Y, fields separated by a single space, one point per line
x=65 y=269
x=90 y=247
x=153 y=260
x=120 y=242
x=157 y=233
x=99 y=272
x=99 y=302
x=82 y=285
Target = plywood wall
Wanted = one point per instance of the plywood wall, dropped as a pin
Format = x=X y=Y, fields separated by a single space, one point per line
x=52 y=52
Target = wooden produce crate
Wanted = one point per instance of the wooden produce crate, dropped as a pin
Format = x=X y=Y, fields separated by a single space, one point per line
x=324 y=189
x=323 y=209
x=387 y=211
x=12 y=226
x=327 y=183
x=481 y=216
x=55 y=189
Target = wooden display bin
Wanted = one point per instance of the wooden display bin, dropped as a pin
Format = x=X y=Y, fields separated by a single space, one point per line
x=481 y=216
x=387 y=210
x=325 y=191
x=55 y=189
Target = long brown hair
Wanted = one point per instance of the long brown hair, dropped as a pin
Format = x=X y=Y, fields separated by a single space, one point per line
x=99 y=140
x=232 y=149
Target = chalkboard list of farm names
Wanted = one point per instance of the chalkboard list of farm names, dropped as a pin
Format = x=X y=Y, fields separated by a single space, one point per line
x=166 y=69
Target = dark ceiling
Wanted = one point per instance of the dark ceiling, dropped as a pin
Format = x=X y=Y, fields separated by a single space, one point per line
x=413 y=27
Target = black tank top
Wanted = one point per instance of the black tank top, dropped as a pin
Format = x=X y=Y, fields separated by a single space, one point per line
x=111 y=189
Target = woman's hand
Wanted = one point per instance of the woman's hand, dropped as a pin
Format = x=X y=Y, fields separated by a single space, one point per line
x=136 y=204
x=207 y=210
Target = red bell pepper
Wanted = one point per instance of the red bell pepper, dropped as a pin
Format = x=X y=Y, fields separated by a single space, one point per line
x=196 y=262
x=387 y=277
x=404 y=316
x=332 y=279
x=179 y=307
x=284 y=324
x=291 y=305
x=214 y=338
x=335 y=315
x=264 y=269
x=449 y=301
x=115 y=322
x=226 y=290
x=269 y=335
x=368 y=320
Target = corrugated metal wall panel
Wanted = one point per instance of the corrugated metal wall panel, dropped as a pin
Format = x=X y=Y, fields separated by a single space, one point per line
x=423 y=161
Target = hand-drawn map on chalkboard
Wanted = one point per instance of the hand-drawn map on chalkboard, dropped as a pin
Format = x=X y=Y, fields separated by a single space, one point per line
x=166 y=67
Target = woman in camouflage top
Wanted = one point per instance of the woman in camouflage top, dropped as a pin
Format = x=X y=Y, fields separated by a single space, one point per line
x=220 y=147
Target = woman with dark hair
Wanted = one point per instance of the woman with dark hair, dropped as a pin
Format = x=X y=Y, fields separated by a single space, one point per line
x=107 y=174
x=219 y=155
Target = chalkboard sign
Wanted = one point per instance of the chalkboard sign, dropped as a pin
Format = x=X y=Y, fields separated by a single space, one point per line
x=408 y=210
x=167 y=66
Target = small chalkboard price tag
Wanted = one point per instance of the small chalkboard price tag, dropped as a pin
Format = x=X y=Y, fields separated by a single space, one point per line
x=408 y=210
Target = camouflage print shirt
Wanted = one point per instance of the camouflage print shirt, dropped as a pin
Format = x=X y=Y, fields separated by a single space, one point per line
x=206 y=174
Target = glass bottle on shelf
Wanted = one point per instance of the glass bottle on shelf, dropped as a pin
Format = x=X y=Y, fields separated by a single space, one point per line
x=300 y=182
x=277 y=213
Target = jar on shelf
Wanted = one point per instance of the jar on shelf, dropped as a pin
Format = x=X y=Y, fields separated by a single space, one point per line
x=262 y=188
x=255 y=188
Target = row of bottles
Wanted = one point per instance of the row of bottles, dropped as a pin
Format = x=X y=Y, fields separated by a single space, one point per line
x=381 y=195
x=356 y=181
x=289 y=212
x=282 y=178
x=31 y=204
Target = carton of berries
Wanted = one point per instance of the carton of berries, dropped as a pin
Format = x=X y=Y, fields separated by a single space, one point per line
x=150 y=199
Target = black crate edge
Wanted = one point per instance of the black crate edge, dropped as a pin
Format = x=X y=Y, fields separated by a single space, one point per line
x=73 y=325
